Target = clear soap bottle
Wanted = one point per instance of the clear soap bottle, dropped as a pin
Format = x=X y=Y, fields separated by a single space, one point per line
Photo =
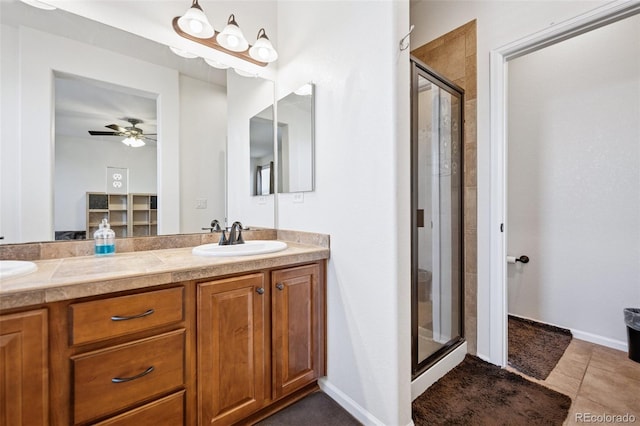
x=105 y=239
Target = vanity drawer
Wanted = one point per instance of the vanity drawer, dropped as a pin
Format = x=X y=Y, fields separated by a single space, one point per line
x=117 y=316
x=167 y=411
x=115 y=378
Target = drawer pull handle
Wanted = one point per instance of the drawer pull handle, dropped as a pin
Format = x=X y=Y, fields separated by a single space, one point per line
x=142 y=315
x=280 y=286
x=128 y=379
x=260 y=290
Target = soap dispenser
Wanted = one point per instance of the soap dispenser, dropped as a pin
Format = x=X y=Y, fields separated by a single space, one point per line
x=105 y=239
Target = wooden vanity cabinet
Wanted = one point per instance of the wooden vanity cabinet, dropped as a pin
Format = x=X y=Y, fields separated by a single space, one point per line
x=297 y=307
x=24 y=381
x=122 y=359
x=260 y=340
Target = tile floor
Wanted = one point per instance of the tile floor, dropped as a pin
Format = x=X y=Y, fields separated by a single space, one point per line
x=598 y=379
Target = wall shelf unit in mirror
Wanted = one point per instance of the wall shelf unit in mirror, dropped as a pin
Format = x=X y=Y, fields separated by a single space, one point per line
x=296 y=140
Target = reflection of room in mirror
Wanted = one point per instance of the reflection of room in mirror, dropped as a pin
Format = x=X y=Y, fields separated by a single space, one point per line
x=91 y=123
x=261 y=162
x=296 y=141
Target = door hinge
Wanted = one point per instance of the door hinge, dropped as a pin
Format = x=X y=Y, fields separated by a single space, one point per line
x=502 y=227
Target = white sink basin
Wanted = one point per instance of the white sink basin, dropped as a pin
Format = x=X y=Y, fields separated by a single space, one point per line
x=247 y=249
x=15 y=268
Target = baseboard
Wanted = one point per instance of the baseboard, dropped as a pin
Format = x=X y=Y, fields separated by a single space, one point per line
x=589 y=337
x=600 y=340
x=439 y=369
x=355 y=409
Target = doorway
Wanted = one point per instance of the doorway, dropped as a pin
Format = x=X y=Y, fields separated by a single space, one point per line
x=600 y=17
x=437 y=220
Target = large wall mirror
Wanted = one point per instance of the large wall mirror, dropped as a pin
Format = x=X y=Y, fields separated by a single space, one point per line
x=57 y=88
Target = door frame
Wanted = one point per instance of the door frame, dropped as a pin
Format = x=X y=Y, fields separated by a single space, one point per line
x=499 y=58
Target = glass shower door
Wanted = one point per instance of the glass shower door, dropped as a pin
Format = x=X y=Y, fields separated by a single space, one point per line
x=437 y=216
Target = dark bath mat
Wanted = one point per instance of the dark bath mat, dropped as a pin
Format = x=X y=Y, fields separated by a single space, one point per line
x=316 y=409
x=535 y=348
x=479 y=393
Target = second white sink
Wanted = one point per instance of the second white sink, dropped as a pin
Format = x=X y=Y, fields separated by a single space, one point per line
x=15 y=268
x=249 y=248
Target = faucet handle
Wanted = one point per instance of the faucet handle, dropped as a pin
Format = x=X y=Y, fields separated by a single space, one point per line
x=215 y=225
x=223 y=239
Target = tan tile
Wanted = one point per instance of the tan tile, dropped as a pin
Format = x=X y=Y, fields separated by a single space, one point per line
x=580 y=347
x=563 y=383
x=580 y=407
x=470 y=165
x=28 y=251
x=572 y=365
x=616 y=392
x=470 y=209
x=470 y=120
x=470 y=73
x=471 y=333
x=470 y=252
x=616 y=362
x=471 y=294
x=470 y=45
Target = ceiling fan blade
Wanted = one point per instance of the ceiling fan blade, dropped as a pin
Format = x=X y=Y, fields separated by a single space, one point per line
x=116 y=128
x=152 y=134
x=101 y=133
x=149 y=139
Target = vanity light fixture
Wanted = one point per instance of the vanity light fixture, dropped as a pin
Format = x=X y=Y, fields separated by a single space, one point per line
x=133 y=142
x=231 y=37
x=194 y=26
x=216 y=64
x=183 y=53
x=195 y=23
x=263 y=50
x=39 y=4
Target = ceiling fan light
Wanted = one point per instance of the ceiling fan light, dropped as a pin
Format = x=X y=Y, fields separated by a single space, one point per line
x=231 y=38
x=216 y=64
x=183 y=53
x=133 y=142
x=39 y=4
x=195 y=23
x=263 y=50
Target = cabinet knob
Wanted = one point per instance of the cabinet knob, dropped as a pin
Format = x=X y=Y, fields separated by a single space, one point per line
x=260 y=290
x=280 y=286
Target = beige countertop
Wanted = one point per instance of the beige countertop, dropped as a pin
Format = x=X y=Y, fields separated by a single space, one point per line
x=74 y=277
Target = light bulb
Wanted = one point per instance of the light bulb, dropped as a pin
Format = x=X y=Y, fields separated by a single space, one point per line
x=232 y=41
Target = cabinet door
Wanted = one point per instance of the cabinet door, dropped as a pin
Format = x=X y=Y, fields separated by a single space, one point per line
x=24 y=384
x=297 y=328
x=231 y=348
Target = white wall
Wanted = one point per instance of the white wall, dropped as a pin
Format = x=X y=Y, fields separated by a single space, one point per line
x=203 y=140
x=362 y=192
x=29 y=203
x=498 y=23
x=574 y=182
x=249 y=97
x=81 y=167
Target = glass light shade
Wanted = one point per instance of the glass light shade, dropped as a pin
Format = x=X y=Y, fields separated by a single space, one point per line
x=216 y=64
x=133 y=142
x=39 y=4
x=231 y=38
x=195 y=23
x=245 y=73
x=305 y=90
x=263 y=50
x=183 y=53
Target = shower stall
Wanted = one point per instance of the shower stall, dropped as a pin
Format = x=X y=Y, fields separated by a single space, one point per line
x=437 y=216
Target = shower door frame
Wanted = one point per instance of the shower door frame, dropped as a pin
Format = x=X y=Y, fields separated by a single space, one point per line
x=418 y=68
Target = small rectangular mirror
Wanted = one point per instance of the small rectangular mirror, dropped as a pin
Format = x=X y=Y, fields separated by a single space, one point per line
x=262 y=169
x=296 y=141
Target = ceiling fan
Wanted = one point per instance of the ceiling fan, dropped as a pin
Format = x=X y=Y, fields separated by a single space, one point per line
x=134 y=136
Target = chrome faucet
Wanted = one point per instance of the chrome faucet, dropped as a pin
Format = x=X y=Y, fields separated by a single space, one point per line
x=215 y=226
x=233 y=237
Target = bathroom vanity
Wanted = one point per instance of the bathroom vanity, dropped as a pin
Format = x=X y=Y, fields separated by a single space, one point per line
x=163 y=337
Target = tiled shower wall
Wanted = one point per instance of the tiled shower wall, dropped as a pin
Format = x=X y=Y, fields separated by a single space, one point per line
x=454 y=56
